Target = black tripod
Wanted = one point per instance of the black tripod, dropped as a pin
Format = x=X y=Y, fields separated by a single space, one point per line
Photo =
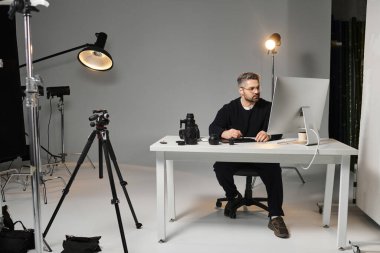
x=100 y=120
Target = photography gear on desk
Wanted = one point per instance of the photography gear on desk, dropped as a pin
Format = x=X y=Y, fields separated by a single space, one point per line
x=213 y=139
x=180 y=143
x=99 y=120
x=191 y=132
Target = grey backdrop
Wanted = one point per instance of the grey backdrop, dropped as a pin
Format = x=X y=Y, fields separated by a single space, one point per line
x=171 y=57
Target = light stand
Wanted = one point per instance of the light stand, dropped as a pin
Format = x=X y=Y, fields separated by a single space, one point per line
x=272 y=75
x=61 y=109
x=59 y=92
x=271 y=44
x=32 y=96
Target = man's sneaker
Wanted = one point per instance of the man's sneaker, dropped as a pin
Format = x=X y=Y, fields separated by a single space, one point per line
x=279 y=228
x=232 y=205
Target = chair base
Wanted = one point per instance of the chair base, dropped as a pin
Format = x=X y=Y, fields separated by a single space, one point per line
x=245 y=202
x=248 y=199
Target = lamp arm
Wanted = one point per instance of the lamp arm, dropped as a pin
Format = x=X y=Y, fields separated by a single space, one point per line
x=56 y=54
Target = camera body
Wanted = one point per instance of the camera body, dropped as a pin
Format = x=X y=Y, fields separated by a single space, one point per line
x=191 y=132
x=99 y=118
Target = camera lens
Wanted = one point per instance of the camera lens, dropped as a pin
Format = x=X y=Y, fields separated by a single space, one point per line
x=213 y=140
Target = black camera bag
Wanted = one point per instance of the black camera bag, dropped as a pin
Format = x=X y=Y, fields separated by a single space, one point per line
x=15 y=241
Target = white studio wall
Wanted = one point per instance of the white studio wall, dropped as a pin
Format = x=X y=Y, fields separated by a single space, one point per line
x=369 y=149
x=171 y=57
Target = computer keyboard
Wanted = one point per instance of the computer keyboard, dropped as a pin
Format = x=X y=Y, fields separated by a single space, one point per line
x=239 y=140
x=244 y=139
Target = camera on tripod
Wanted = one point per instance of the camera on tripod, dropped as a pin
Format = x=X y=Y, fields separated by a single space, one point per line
x=191 y=132
x=99 y=118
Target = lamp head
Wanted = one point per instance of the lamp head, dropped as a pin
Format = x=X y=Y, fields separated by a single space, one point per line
x=270 y=44
x=94 y=56
x=273 y=42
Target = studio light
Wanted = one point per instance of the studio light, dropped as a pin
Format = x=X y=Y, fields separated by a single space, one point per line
x=272 y=44
x=93 y=56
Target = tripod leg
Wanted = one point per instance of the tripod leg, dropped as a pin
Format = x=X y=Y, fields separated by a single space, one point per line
x=47 y=245
x=67 y=188
x=100 y=150
x=122 y=182
x=115 y=200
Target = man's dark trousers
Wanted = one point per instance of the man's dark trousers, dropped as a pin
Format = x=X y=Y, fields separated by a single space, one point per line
x=270 y=174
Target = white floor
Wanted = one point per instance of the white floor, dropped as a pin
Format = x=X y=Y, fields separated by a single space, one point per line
x=200 y=227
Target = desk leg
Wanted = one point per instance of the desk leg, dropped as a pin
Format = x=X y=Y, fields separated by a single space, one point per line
x=328 y=195
x=161 y=208
x=343 y=201
x=171 y=190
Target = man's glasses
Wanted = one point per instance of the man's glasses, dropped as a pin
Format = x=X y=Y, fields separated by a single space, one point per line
x=251 y=89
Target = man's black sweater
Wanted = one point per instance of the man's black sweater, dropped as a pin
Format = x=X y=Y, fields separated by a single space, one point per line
x=249 y=122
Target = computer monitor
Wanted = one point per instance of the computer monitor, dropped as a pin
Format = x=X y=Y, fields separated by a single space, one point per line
x=297 y=106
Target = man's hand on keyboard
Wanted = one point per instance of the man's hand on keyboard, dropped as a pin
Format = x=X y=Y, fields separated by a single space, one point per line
x=262 y=136
x=232 y=133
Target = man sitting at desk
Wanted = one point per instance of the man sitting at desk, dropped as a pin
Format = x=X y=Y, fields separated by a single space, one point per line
x=248 y=115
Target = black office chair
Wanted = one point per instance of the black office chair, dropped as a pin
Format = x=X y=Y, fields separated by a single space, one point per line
x=248 y=199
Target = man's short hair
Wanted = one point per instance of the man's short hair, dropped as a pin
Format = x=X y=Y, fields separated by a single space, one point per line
x=247 y=76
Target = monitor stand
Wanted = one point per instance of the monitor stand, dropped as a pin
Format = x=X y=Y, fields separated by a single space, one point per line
x=311 y=137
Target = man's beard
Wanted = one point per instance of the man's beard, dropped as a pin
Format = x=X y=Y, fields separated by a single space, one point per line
x=252 y=99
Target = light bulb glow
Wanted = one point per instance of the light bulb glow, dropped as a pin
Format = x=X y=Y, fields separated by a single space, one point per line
x=270 y=44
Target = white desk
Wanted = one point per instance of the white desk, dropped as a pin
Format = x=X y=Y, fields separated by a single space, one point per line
x=331 y=152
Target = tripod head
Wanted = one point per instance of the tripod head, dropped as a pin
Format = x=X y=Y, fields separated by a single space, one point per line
x=99 y=119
